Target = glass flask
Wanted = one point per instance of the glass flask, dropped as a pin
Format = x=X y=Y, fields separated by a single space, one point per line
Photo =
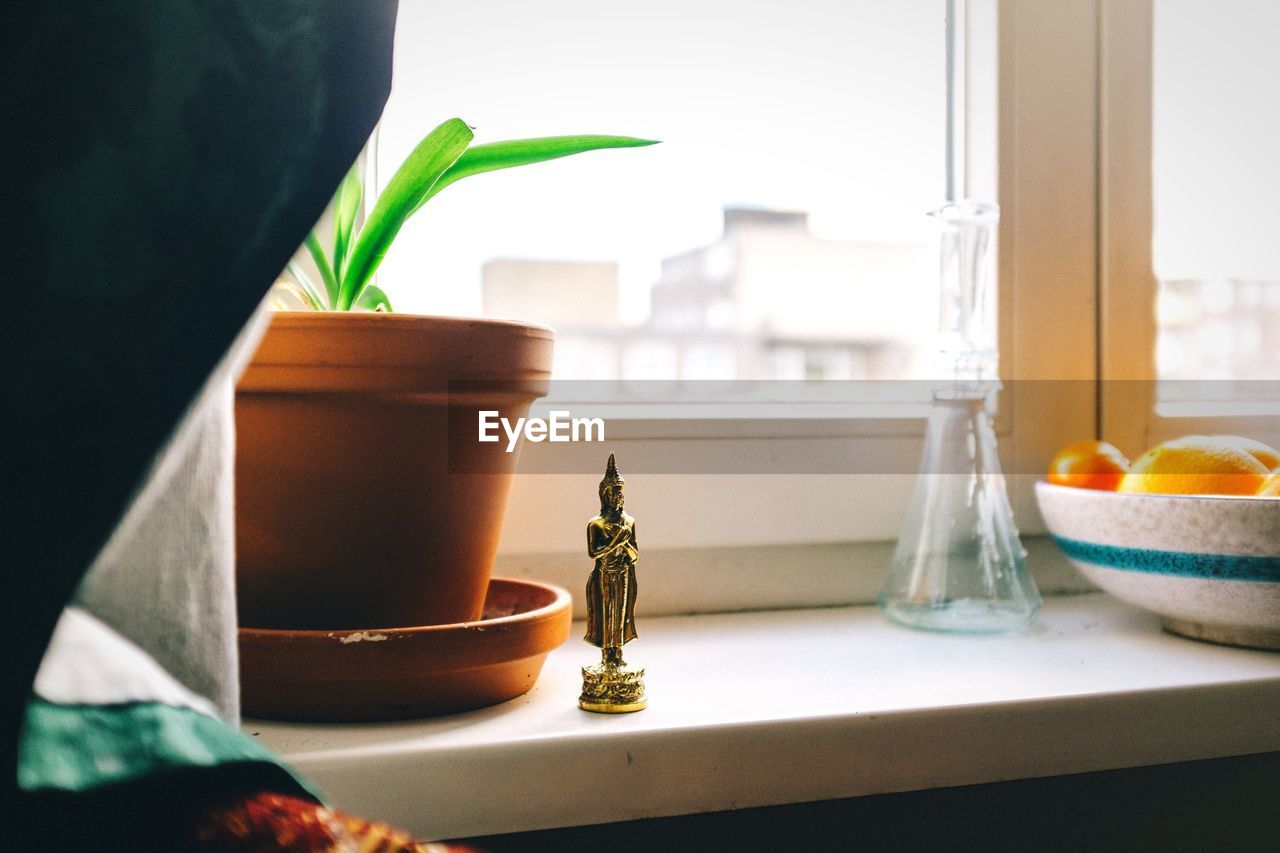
x=959 y=565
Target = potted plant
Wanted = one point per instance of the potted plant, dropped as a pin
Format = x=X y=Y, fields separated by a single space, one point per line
x=363 y=499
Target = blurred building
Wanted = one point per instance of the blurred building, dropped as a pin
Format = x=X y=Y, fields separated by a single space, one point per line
x=799 y=306
x=579 y=299
x=767 y=300
x=564 y=294
x=1218 y=329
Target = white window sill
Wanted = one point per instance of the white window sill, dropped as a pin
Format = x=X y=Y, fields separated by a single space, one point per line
x=754 y=709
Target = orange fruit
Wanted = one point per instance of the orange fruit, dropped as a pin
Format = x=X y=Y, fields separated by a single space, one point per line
x=1270 y=487
x=1264 y=453
x=1089 y=465
x=1195 y=465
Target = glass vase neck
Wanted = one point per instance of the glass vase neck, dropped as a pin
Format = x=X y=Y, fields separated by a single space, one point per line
x=967 y=315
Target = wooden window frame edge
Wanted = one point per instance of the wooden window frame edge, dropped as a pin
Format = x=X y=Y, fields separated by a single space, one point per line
x=1126 y=277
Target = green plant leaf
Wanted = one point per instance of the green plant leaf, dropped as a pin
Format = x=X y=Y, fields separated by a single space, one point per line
x=413 y=180
x=373 y=299
x=322 y=264
x=307 y=285
x=346 y=204
x=521 y=152
x=284 y=286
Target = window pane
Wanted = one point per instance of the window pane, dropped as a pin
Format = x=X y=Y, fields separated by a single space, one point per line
x=778 y=231
x=1216 y=127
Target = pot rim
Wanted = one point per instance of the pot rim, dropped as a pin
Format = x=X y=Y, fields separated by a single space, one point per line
x=561 y=600
x=397 y=354
x=313 y=319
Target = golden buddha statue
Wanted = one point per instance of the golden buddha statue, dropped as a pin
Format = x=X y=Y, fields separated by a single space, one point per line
x=613 y=686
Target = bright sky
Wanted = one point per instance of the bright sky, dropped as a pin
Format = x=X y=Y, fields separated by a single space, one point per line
x=831 y=106
x=1216 y=136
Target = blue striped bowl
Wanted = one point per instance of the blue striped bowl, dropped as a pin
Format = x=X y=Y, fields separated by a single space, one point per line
x=1208 y=565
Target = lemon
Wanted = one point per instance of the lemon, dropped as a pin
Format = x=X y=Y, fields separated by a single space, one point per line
x=1264 y=453
x=1270 y=487
x=1196 y=465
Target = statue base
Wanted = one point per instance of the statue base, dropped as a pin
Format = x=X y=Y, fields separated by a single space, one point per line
x=612 y=688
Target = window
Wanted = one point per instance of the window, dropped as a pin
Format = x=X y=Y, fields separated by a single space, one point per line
x=1191 y=278
x=1216 y=219
x=1059 y=105
x=778 y=233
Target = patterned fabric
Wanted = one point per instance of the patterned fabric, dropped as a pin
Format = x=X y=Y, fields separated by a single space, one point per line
x=167 y=157
x=81 y=747
x=271 y=822
x=105 y=713
x=166 y=578
x=110 y=733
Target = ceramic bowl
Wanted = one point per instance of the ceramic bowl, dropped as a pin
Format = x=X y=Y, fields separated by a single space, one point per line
x=1208 y=565
x=401 y=673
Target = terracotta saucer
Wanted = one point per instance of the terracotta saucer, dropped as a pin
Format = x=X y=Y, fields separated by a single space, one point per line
x=399 y=673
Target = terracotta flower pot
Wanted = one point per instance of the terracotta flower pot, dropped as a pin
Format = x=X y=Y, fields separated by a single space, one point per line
x=363 y=497
x=401 y=673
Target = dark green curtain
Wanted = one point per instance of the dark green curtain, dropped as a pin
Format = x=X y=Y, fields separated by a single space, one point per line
x=162 y=160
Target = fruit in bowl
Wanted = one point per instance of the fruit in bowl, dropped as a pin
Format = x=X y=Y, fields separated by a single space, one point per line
x=1197 y=465
x=1089 y=465
x=1190 y=531
x=1191 y=465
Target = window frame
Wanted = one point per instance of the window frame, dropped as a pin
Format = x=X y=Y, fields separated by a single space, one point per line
x=1039 y=103
x=1130 y=410
x=1126 y=276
